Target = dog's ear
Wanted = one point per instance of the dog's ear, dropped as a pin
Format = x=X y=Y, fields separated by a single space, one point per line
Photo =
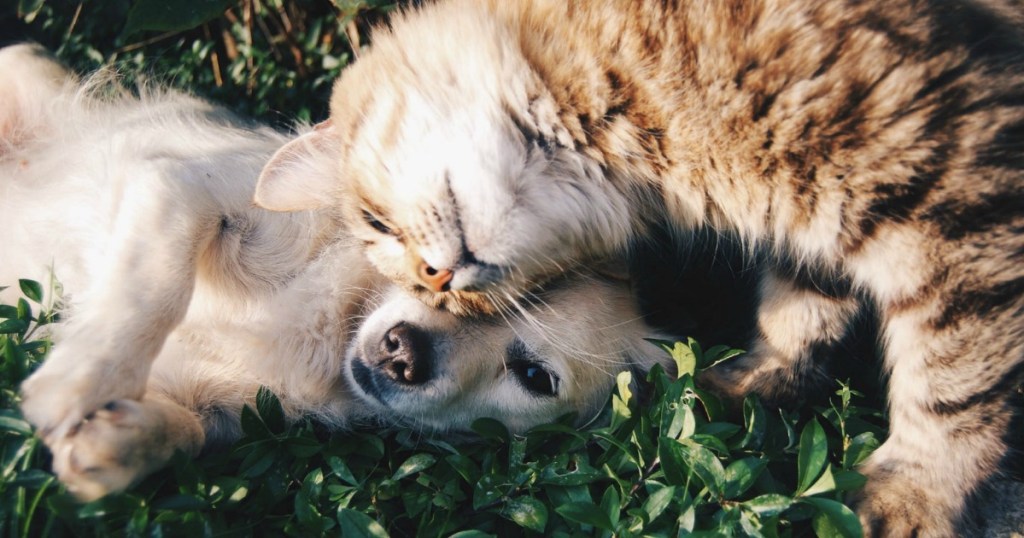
x=30 y=80
x=301 y=175
x=614 y=268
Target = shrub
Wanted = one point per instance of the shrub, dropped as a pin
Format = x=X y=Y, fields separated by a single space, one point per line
x=674 y=463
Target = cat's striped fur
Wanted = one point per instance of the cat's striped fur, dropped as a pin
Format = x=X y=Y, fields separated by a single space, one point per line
x=872 y=147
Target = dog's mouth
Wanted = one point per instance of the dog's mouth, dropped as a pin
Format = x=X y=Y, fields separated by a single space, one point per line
x=367 y=382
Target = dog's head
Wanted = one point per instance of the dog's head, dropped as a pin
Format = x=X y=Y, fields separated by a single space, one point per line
x=426 y=368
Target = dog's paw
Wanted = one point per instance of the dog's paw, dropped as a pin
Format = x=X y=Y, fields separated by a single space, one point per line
x=117 y=445
x=58 y=396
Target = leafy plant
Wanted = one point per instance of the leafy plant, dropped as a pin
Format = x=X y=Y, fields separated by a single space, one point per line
x=675 y=463
x=273 y=60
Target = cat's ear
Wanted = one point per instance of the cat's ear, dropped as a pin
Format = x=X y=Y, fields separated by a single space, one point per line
x=302 y=174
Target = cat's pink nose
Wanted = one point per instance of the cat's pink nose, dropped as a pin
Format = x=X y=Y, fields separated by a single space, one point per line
x=435 y=279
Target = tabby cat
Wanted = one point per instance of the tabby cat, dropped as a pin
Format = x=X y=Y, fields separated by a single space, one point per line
x=872 y=148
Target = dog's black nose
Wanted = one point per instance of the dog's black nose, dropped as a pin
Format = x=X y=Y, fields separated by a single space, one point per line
x=404 y=355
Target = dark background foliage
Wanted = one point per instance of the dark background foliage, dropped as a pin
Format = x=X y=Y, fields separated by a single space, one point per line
x=272 y=60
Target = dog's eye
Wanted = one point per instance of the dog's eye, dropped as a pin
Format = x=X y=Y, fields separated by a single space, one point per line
x=535 y=378
x=373 y=221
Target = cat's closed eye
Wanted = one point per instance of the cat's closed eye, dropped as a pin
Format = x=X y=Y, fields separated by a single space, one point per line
x=376 y=223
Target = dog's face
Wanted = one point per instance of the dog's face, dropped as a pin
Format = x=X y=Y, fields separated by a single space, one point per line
x=426 y=368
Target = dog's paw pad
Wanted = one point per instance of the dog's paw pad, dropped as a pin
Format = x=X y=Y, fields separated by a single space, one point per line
x=109 y=450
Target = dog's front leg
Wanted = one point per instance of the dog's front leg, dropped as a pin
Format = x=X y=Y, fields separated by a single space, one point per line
x=140 y=290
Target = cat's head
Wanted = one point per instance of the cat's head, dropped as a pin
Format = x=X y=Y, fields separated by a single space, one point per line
x=452 y=166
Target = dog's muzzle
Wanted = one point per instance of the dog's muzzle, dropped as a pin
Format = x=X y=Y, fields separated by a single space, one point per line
x=402 y=360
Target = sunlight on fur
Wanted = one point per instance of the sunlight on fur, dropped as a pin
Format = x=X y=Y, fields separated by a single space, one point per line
x=182 y=298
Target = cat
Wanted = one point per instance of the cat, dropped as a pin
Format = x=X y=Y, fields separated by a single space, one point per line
x=180 y=299
x=871 y=149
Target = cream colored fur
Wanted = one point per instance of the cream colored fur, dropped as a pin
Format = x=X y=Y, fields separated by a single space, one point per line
x=180 y=298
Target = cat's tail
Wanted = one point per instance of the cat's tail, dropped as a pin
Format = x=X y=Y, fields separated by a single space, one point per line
x=31 y=81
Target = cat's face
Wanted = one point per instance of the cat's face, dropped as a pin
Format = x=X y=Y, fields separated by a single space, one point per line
x=464 y=188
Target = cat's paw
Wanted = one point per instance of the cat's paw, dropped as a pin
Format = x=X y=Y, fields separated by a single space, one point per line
x=119 y=444
x=776 y=379
x=895 y=505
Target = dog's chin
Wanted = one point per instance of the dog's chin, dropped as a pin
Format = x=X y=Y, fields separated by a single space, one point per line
x=366 y=385
x=377 y=393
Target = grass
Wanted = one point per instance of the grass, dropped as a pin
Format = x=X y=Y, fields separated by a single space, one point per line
x=673 y=463
x=668 y=461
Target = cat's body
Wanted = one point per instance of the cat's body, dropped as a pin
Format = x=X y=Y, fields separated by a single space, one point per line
x=873 y=149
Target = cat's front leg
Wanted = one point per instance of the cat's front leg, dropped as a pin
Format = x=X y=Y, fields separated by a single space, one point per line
x=121 y=443
x=138 y=294
x=951 y=401
x=799 y=324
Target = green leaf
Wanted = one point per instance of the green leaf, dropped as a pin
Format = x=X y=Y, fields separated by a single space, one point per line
x=270 y=410
x=526 y=512
x=859 y=449
x=849 y=480
x=472 y=534
x=756 y=421
x=812 y=455
x=342 y=471
x=683 y=355
x=741 y=474
x=833 y=519
x=621 y=399
x=354 y=524
x=713 y=407
x=488 y=428
x=657 y=502
x=705 y=465
x=570 y=471
x=172 y=15
x=13 y=326
x=688 y=422
x=32 y=289
x=486 y=491
x=28 y=8
x=8 y=312
x=719 y=354
x=11 y=421
x=465 y=466
x=687 y=519
x=253 y=425
x=673 y=462
x=769 y=504
x=414 y=465
x=825 y=483
x=586 y=514
x=610 y=503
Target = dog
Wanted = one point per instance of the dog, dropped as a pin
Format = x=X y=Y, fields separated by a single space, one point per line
x=180 y=298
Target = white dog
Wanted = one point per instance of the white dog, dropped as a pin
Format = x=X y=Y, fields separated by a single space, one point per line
x=182 y=298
